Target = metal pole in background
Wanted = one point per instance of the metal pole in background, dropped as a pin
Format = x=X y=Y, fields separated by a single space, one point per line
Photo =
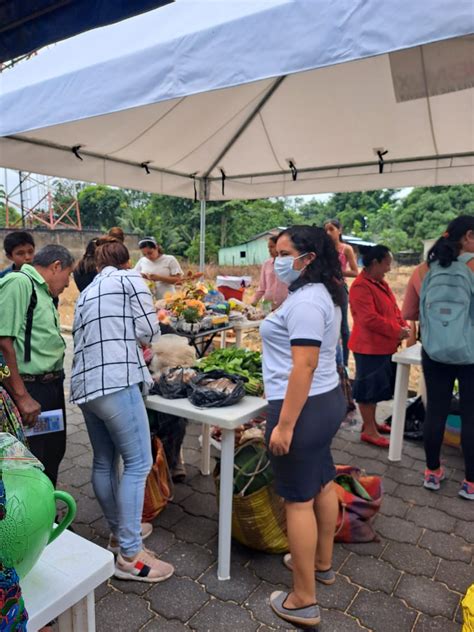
x=20 y=175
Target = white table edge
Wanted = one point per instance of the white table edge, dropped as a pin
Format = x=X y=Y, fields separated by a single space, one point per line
x=80 y=591
x=199 y=415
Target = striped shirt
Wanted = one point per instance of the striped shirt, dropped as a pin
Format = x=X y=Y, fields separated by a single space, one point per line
x=114 y=315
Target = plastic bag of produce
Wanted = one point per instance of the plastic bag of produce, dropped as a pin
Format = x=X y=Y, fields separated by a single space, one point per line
x=215 y=389
x=173 y=383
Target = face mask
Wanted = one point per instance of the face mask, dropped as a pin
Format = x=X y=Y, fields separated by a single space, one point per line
x=284 y=268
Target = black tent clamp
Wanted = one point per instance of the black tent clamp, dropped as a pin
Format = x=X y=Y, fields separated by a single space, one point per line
x=381 y=154
x=293 y=169
x=75 y=151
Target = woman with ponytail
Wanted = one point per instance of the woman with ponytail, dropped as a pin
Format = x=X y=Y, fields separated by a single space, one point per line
x=306 y=407
x=453 y=252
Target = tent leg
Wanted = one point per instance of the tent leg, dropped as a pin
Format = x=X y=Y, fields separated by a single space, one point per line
x=202 y=237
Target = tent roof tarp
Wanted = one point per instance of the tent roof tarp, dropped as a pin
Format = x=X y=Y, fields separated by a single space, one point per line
x=257 y=99
x=27 y=26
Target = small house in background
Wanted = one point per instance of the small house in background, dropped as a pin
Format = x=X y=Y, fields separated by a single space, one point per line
x=255 y=251
x=250 y=253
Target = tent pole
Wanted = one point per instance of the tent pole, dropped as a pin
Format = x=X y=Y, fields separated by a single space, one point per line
x=202 y=230
x=202 y=237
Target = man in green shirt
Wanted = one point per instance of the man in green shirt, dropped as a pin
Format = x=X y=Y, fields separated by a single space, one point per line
x=33 y=348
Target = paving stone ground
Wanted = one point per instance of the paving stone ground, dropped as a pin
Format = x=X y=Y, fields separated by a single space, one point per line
x=411 y=580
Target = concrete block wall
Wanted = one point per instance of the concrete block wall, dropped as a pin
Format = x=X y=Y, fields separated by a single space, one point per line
x=74 y=240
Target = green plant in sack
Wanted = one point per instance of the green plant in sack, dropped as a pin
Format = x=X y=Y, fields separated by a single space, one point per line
x=258 y=514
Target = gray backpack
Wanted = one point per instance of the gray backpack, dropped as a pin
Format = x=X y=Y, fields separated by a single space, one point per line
x=447 y=312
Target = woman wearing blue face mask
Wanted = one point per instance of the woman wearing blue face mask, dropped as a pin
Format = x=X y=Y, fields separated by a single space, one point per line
x=306 y=407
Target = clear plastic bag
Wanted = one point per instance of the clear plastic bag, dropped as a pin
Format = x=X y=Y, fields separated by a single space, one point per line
x=14 y=454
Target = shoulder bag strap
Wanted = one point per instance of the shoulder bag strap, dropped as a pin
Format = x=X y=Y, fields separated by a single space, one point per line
x=29 y=319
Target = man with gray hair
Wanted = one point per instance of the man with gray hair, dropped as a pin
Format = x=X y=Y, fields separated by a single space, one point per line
x=33 y=348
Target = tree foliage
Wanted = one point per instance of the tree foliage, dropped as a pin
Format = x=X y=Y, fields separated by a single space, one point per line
x=402 y=223
x=101 y=206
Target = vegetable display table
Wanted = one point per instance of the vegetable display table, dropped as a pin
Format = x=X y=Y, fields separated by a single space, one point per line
x=228 y=419
x=63 y=581
x=404 y=359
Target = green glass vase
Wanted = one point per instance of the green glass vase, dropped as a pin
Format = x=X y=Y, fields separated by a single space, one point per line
x=30 y=511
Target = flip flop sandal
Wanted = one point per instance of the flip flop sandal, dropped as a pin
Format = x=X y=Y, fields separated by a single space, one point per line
x=309 y=616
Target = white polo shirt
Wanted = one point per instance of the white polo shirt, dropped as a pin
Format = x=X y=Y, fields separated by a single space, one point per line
x=308 y=317
x=165 y=265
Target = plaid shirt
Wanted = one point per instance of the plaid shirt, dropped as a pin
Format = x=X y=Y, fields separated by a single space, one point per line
x=113 y=316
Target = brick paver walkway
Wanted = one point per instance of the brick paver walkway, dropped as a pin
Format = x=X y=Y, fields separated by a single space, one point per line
x=412 y=580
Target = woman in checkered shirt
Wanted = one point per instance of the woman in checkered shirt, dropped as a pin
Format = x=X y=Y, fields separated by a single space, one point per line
x=114 y=316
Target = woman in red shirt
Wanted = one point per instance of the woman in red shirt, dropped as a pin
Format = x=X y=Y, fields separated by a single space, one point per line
x=377 y=332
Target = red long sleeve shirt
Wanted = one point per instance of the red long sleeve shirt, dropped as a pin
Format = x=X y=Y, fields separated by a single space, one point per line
x=377 y=318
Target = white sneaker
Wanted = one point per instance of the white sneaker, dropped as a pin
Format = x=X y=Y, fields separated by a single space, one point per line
x=114 y=546
x=144 y=568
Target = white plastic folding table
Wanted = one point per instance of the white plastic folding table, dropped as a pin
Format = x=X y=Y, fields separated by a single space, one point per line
x=404 y=359
x=62 y=584
x=243 y=325
x=228 y=419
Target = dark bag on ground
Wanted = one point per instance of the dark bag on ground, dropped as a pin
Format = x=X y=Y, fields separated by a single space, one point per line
x=170 y=430
x=415 y=418
x=173 y=383
x=215 y=389
x=346 y=387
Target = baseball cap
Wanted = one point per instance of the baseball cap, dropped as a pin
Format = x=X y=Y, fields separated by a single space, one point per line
x=147 y=240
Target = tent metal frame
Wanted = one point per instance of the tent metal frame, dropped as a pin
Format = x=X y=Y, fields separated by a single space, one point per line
x=205 y=181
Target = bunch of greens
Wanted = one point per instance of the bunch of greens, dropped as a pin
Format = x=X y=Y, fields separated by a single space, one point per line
x=237 y=361
x=191 y=314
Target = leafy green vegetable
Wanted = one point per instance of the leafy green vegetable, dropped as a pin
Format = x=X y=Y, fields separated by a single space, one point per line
x=238 y=361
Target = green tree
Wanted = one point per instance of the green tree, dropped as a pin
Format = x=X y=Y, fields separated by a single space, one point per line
x=101 y=206
x=13 y=214
x=426 y=211
x=212 y=249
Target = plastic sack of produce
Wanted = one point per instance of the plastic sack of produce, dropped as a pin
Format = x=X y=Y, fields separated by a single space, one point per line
x=171 y=350
x=215 y=389
x=173 y=383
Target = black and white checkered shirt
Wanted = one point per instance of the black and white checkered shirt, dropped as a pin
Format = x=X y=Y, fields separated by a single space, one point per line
x=113 y=315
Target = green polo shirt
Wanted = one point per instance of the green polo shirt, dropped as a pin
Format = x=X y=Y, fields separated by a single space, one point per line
x=47 y=344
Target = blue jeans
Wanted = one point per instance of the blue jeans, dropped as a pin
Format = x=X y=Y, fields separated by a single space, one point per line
x=118 y=427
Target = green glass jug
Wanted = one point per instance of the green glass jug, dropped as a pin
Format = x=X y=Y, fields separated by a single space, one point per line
x=30 y=510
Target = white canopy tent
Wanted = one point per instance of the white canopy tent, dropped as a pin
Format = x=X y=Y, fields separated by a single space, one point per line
x=222 y=100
